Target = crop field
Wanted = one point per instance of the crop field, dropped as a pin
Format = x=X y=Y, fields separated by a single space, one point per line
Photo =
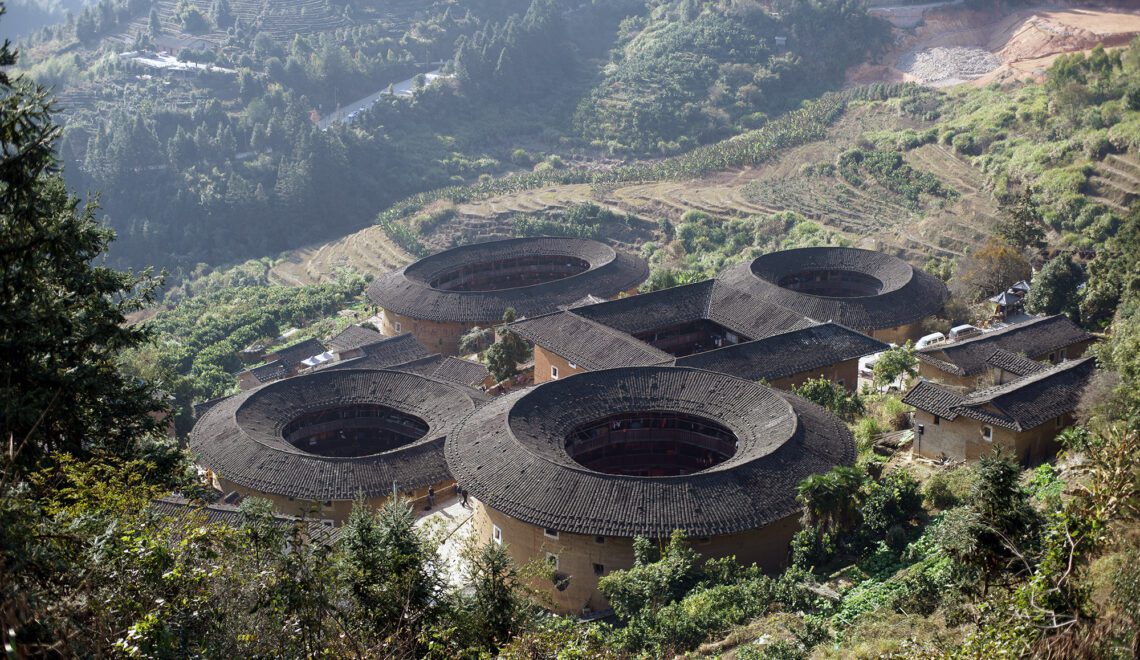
x=366 y=251
x=868 y=216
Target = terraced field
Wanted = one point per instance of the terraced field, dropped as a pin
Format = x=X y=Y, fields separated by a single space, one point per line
x=367 y=251
x=873 y=217
x=1116 y=183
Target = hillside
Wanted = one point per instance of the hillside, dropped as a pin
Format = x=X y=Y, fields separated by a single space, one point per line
x=866 y=215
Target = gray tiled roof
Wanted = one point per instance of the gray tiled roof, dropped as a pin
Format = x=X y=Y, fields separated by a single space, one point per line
x=1018 y=365
x=656 y=309
x=1037 y=337
x=788 y=353
x=354 y=336
x=175 y=506
x=304 y=350
x=907 y=294
x=387 y=352
x=600 y=336
x=511 y=454
x=458 y=370
x=407 y=291
x=240 y=437
x=270 y=371
x=588 y=343
x=1020 y=405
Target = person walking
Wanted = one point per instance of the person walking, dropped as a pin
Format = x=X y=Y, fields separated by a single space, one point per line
x=463 y=497
x=431 y=498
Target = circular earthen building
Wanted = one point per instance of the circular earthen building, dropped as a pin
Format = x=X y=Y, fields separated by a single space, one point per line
x=440 y=297
x=313 y=443
x=572 y=470
x=873 y=292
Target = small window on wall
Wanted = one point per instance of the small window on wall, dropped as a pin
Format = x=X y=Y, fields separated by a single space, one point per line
x=988 y=433
x=554 y=372
x=1061 y=421
x=599 y=539
x=552 y=559
x=840 y=382
x=599 y=570
x=550 y=533
x=1062 y=354
x=573 y=366
x=937 y=420
x=496 y=534
x=399 y=328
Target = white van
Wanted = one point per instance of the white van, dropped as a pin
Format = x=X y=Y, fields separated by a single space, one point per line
x=960 y=332
x=927 y=340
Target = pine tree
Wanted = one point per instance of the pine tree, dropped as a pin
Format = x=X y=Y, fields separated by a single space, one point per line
x=62 y=323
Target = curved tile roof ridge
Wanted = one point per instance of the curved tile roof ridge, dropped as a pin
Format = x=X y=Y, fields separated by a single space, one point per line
x=511 y=454
x=908 y=294
x=407 y=291
x=240 y=438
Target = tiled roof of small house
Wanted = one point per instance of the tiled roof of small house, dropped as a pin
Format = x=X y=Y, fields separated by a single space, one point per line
x=269 y=371
x=304 y=350
x=241 y=438
x=601 y=336
x=387 y=352
x=218 y=513
x=511 y=454
x=409 y=290
x=1019 y=365
x=458 y=370
x=905 y=294
x=1039 y=336
x=587 y=343
x=787 y=354
x=352 y=337
x=1021 y=405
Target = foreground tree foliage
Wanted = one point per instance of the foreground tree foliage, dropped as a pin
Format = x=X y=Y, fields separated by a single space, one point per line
x=61 y=315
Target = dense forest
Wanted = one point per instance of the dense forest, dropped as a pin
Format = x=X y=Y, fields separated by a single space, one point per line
x=229 y=164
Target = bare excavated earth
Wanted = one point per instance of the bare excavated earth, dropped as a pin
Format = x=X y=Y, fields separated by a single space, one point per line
x=951 y=45
x=869 y=217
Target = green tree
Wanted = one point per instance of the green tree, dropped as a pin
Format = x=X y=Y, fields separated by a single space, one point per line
x=504 y=356
x=389 y=571
x=895 y=362
x=1021 y=225
x=1056 y=288
x=652 y=582
x=62 y=317
x=497 y=607
x=832 y=396
x=997 y=529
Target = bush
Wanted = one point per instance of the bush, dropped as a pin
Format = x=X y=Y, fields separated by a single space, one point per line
x=937 y=493
x=866 y=430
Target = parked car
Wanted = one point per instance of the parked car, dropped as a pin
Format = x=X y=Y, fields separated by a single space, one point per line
x=927 y=340
x=965 y=331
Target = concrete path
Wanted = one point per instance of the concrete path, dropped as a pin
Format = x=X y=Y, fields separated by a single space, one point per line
x=449 y=523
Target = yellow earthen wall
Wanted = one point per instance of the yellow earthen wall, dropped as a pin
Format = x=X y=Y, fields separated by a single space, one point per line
x=435 y=336
x=544 y=360
x=848 y=371
x=335 y=510
x=577 y=554
x=961 y=439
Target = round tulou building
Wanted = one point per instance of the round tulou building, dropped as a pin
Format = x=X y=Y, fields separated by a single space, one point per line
x=875 y=293
x=571 y=471
x=311 y=444
x=440 y=297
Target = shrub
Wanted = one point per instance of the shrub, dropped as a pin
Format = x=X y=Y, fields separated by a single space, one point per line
x=866 y=430
x=938 y=493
